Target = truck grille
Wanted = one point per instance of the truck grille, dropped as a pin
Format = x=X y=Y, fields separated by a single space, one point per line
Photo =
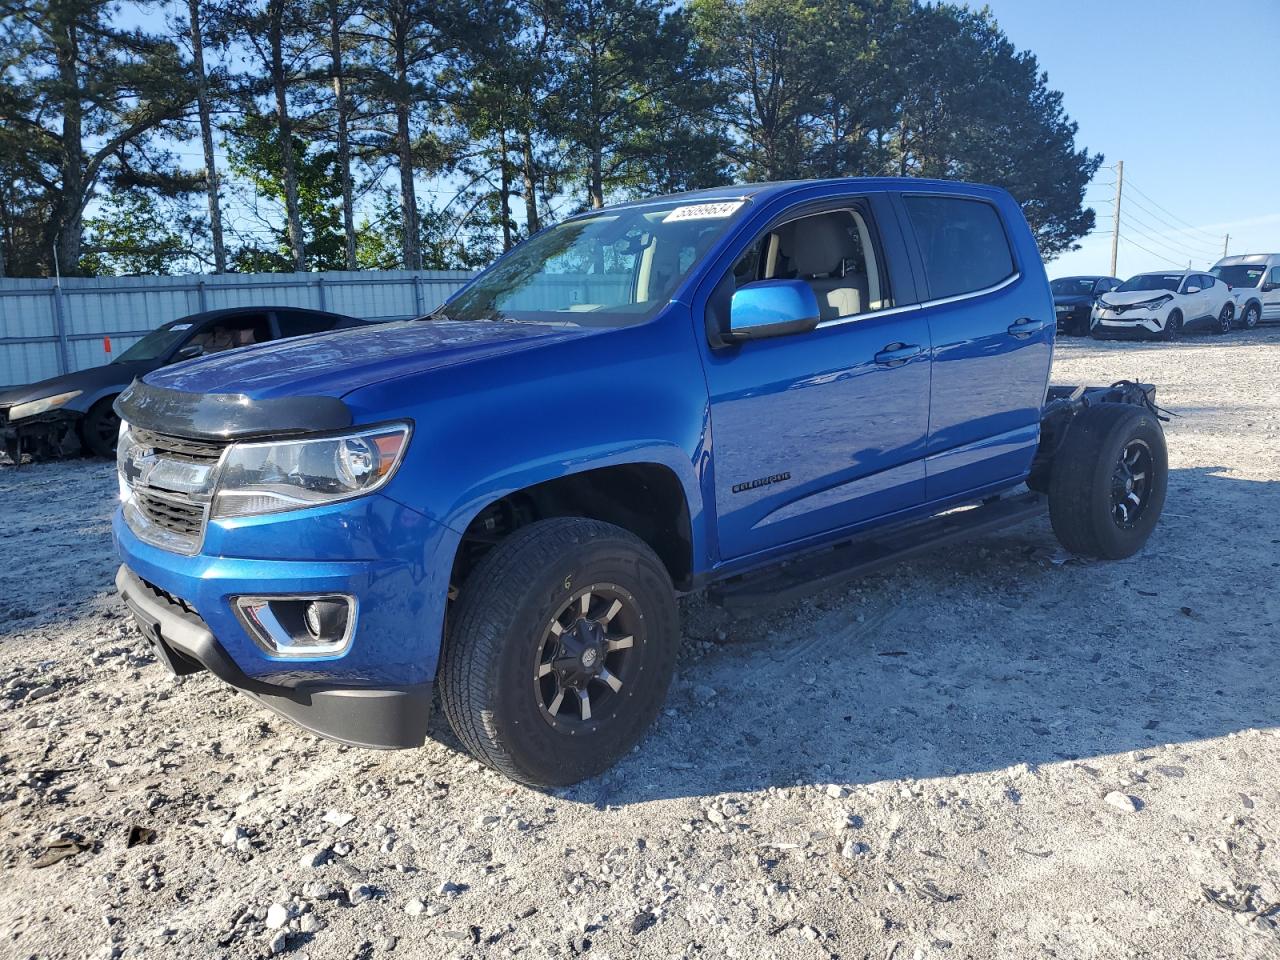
x=171 y=512
x=180 y=448
x=170 y=486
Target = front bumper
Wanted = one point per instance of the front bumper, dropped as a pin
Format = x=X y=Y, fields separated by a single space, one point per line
x=1072 y=319
x=1129 y=328
x=393 y=560
x=381 y=717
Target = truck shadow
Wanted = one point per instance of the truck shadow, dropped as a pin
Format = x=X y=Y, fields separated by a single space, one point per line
x=994 y=655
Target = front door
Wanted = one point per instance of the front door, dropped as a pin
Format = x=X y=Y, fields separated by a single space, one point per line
x=820 y=430
x=1270 y=295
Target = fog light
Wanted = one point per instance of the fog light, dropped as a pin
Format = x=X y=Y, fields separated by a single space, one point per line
x=326 y=620
x=299 y=626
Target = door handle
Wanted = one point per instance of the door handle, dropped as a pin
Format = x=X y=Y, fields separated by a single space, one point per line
x=898 y=353
x=1025 y=327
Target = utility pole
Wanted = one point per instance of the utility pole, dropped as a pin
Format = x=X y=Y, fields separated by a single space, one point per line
x=1225 y=241
x=1115 y=223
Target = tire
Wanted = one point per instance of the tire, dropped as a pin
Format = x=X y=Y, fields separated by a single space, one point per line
x=100 y=429
x=1250 y=318
x=1092 y=511
x=1226 y=319
x=1172 y=327
x=504 y=659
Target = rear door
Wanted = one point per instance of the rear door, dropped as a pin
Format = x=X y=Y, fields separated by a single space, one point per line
x=991 y=322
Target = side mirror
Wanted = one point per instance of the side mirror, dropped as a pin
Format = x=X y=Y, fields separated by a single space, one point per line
x=772 y=308
x=1268 y=287
x=189 y=352
x=1193 y=289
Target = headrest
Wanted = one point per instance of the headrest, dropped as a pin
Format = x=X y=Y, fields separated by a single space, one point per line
x=818 y=245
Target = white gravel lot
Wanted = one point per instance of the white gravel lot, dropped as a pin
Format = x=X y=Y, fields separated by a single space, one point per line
x=988 y=753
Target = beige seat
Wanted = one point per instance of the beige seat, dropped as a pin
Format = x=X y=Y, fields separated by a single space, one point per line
x=818 y=248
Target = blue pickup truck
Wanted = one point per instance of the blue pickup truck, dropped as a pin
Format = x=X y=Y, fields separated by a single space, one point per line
x=753 y=390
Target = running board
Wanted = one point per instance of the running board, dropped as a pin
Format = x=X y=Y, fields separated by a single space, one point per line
x=791 y=580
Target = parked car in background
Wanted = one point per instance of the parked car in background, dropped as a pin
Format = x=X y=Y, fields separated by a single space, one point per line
x=49 y=416
x=1254 y=279
x=1073 y=300
x=1163 y=305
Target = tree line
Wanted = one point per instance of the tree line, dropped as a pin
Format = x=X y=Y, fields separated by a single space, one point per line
x=341 y=134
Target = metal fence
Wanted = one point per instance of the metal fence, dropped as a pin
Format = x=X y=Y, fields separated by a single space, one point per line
x=49 y=327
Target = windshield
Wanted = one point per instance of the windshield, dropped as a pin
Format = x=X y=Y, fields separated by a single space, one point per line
x=156 y=343
x=611 y=269
x=1069 y=286
x=1241 y=274
x=1151 y=281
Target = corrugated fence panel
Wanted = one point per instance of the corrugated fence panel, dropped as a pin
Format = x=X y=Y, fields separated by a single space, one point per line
x=28 y=362
x=122 y=307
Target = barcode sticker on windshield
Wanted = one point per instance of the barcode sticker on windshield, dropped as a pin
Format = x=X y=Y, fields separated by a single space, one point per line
x=704 y=211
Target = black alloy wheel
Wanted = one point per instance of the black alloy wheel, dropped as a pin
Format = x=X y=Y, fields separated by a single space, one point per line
x=1131 y=484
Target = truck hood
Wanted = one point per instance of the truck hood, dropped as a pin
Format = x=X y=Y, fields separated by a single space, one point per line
x=89 y=382
x=334 y=364
x=1116 y=299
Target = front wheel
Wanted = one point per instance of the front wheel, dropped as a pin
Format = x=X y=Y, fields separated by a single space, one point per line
x=100 y=429
x=1108 y=481
x=560 y=652
x=1252 y=314
x=1226 y=319
x=1172 y=326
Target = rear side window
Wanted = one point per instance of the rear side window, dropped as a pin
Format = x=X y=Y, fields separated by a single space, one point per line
x=300 y=324
x=962 y=242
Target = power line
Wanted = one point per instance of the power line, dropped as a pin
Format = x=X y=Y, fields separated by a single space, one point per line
x=1185 y=223
x=1180 y=231
x=1147 y=232
x=1152 y=252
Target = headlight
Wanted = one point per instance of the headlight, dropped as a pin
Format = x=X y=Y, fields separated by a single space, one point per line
x=1155 y=304
x=269 y=477
x=43 y=405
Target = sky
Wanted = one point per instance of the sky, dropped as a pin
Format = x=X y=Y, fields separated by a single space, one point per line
x=1186 y=94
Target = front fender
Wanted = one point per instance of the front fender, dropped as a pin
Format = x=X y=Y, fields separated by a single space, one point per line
x=489 y=428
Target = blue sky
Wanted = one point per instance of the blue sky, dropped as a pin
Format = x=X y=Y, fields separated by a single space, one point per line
x=1186 y=94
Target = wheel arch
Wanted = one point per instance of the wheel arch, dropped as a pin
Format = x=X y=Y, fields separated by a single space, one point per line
x=646 y=497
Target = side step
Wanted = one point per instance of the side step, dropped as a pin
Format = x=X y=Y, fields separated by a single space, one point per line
x=793 y=579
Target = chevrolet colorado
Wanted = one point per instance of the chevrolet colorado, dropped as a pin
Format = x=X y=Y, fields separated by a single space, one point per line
x=757 y=390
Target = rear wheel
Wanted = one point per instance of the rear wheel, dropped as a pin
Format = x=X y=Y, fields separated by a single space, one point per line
x=100 y=429
x=1226 y=319
x=1108 y=481
x=1252 y=314
x=561 y=650
x=1173 y=326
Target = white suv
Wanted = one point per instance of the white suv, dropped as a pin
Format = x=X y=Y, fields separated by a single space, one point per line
x=1254 y=279
x=1163 y=305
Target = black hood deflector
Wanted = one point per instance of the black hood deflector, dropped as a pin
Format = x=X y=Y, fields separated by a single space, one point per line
x=227 y=416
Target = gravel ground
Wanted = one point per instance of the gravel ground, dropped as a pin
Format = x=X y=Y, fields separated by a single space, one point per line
x=997 y=752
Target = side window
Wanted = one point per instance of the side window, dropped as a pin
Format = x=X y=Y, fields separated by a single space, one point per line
x=1275 y=277
x=962 y=242
x=300 y=324
x=834 y=252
